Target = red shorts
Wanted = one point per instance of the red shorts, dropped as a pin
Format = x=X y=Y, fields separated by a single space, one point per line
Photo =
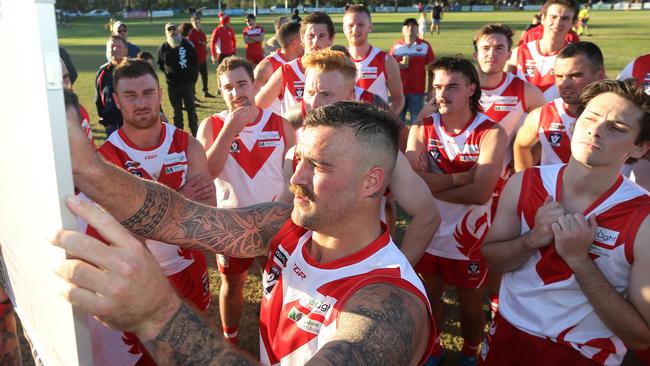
x=454 y=272
x=233 y=265
x=192 y=283
x=507 y=345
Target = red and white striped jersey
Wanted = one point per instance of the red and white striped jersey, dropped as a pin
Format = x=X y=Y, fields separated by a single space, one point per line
x=253 y=169
x=506 y=105
x=463 y=226
x=303 y=299
x=276 y=61
x=542 y=297
x=371 y=72
x=638 y=69
x=293 y=84
x=555 y=131
x=537 y=69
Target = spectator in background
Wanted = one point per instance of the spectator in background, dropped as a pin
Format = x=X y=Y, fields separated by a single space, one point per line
x=273 y=44
x=199 y=40
x=295 y=17
x=109 y=115
x=415 y=57
x=422 y=24
x=65 y=57
x=184 y=29
x=436 y=16
x=120 y=29
x=253 y=37
x=222 y=43
x=177 y=59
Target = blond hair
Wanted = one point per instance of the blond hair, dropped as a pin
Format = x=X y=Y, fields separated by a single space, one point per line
x=329 y=60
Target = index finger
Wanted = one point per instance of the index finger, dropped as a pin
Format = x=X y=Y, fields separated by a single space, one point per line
x=104 y=223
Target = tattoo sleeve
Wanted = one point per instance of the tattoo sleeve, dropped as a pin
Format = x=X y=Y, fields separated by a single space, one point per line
x=187 y=340
x=242 y=232
x=380 y=325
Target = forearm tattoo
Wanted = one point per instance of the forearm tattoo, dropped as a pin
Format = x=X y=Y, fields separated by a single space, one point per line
x=242 y=232
x=187 y=340
x=380 y=330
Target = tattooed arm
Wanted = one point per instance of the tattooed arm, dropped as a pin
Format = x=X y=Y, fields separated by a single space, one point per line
x=154 y=211
x=381 y=324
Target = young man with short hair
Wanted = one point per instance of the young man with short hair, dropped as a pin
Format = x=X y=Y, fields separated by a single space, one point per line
x=222 y=42
x=253 y=38
x=199 y=40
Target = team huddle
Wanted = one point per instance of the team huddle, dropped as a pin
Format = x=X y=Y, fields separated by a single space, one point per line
x=525 y=174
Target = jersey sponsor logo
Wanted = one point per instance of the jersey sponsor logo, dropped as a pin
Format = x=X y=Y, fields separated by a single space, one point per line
x=271 y=278
x=556 y=127
x=133 y=167
x=299 y=87
x=299 y=272
x=606 y=236
x=303 y=322
x=319 y=305
x=281 y=257
x=149 y=157
x=175 y=168
x=269 y=143
x=173 y=158
x=234 y=147
x=554 y=138
x=468 y=158
x=504 y=108
x=435 y=154
x=435 y=143
x=368 y=72
x=470 y=149
x=268 y=135
x=529 y=68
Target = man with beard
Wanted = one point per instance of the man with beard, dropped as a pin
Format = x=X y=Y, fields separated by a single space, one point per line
x=336 y=289
x=550 y=126
x=377 y=71
x=245 y=146
x=287 y=83
x=572 y=243
x=458 y=152
x=177 y=59
x=109 y=115
x=150 y=149
x=533 y=61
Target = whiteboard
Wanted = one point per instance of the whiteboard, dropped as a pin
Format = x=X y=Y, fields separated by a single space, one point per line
x=36 y=176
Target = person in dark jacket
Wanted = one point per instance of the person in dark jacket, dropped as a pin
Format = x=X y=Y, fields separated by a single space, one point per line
x=68 y=64
x=109 y=115
x=177 y=59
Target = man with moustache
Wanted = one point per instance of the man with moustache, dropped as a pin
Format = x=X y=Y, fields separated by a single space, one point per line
x=287 y=83
x=458 y=152
x=336 y=289
x=148 y=148
x=177 y=59
x=533 y=61
x=245 y=146
x=572 y=243
x=377 y=71
x=109 y=115
x=550 y=126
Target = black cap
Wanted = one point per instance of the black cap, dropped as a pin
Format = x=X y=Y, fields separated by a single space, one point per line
x=410 y=21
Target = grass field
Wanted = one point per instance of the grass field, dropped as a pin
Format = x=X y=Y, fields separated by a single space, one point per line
x=621 y=36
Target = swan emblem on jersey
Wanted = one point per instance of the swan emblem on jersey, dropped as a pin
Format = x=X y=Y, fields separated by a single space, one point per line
x=554 y=138
x=467 y=237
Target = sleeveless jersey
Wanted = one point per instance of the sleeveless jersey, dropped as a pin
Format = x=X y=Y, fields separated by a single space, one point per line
x=361 y=95
x=293 y=84
x=302 y=299
x=638 y=69
x=542 y=297
x=555 y=130
x=276 y=61
x=537 y=69
x=253 y=170
x=371 y=72
x=165 y=163
x=463 y=226
x=506 y=105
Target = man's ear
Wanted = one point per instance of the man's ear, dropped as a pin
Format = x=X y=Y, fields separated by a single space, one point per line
x=373 y=186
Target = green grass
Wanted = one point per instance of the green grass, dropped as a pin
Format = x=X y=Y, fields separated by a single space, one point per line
x=621 y=36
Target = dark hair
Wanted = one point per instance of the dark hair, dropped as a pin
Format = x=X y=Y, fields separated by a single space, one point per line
x=287 y=32
x=494 y=28
x=588 y=49
x=195 y=17
x=375 y=129
x=317 y=17
x=144 y=56
x=569 y=4
x=410 y=21
x=131 y=69
x=463 y=66
x=626 y=89
x=234 y=62
x=357 y=9
x=185 y=29
x=276 y=23
x=72 y=101
x=344 y=50
x=250 y=16
x=115 y=37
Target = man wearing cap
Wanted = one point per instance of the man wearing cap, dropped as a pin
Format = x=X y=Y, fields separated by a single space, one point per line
x=415 y=57
x=222 y=43
x=120 y=29
x=199 y=40
x=253 y=37
x=177 y=59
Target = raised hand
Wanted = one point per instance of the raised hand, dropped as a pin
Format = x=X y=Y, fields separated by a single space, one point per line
x=541 y=235
x=574 y=235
